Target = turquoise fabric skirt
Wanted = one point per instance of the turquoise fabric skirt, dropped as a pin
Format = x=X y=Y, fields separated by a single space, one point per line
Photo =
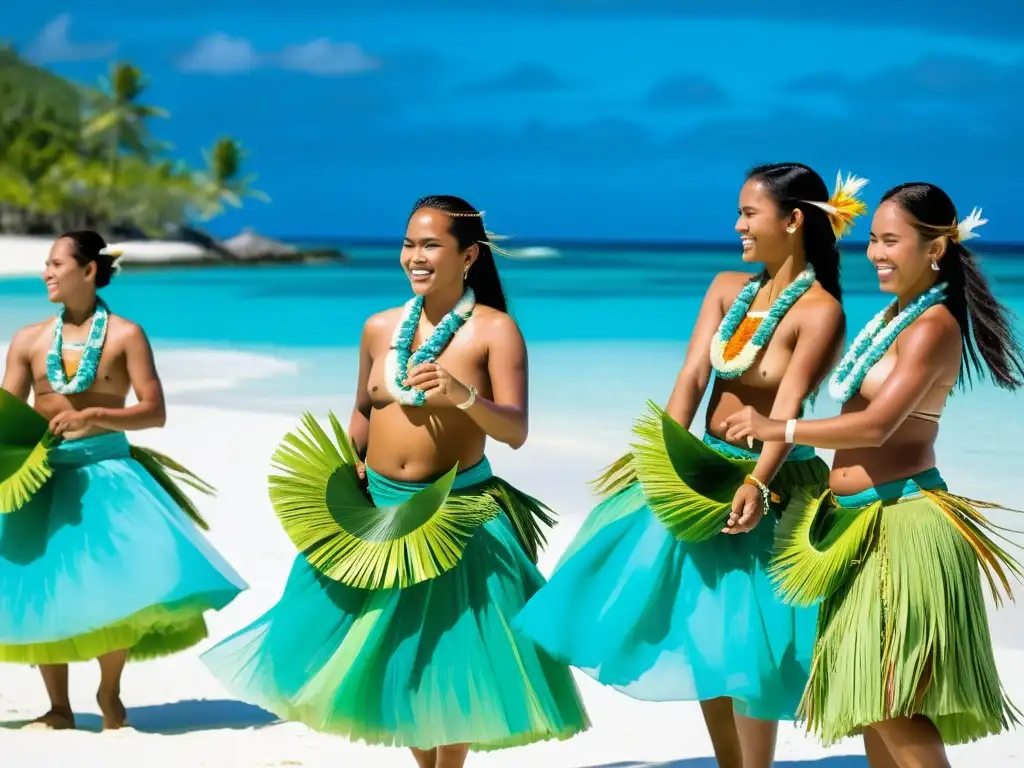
x=665 y=620
x=432 y=664
x=101 y=559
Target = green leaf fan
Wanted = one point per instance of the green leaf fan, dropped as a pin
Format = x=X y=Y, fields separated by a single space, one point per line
x=688 y=486
x=324 y=509
x=25 y=442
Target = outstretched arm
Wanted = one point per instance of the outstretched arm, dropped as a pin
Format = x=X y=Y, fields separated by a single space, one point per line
x=693 y=378
x=150 y=411
x=18 y=373
x=926 y=351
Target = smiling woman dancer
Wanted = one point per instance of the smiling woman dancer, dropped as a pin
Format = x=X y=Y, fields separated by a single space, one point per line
x=98 y=557
x=395 y=623
x=903 y=652
x=649 y=598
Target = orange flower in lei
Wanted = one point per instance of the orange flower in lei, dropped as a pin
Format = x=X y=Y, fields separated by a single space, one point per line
x=748 y=327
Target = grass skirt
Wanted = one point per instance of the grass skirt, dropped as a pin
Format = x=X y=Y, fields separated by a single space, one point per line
x=661 y=618
x=418 y=662
x=100 y=558
x=903 y=629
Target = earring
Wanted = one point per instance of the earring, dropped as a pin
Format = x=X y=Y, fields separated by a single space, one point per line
x=791 y=230
x=935 y=266
x=465 y=273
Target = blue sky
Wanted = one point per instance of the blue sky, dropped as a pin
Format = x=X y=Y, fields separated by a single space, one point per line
x=567 y=119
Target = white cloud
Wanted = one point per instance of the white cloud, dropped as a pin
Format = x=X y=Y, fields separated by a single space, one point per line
x=324 y=57
x=54 y=45
x=220 y=53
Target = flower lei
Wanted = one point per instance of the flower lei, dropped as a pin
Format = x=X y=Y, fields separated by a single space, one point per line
x=400 y=357
x=729 y=365
x=85 y=375
x=874 y=341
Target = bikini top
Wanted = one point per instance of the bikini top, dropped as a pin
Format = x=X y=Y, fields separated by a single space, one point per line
x=931 y=405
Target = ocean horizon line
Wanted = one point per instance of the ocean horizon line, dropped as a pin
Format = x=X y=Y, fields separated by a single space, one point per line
x=681 y=246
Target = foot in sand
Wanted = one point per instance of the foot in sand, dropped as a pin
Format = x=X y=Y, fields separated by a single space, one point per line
x=115 y=716
x=54 y=720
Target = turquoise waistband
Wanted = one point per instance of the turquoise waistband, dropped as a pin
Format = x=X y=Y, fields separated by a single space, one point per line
x=929 y=480
x=799 y=452
x=384 y=490
x=89 y=450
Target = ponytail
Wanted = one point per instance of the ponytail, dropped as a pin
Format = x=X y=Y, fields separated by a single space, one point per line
x=484 y=280
x=990 y=341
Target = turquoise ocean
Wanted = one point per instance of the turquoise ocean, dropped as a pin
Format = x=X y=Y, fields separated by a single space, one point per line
x=606 y=329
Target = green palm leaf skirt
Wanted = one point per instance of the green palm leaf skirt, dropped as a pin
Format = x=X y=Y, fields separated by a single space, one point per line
x=651 y=599
x=395 y=625
x=96 y=552
x=902 y=628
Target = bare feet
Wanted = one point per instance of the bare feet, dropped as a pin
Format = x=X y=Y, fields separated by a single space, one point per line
x=54 y=720
x=115 y=716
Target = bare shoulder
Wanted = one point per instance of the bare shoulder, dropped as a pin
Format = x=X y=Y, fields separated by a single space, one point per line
x=380 y=324
x=25 y=338
x=935 y=329
x=123 y=329
x=493 y=324
x=818 y=306
x=727 y=285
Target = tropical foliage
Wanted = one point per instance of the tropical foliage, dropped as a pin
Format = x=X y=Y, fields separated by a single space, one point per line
x=74 y=156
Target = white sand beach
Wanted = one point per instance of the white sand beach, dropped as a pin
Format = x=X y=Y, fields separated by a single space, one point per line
x=182 y=717
x=23 y=256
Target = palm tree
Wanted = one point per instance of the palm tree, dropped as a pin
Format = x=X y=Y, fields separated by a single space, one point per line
x=117 y=115
x=222 y=183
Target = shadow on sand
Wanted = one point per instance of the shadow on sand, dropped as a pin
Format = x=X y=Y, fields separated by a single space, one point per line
x=181 y=717
x=845 y=761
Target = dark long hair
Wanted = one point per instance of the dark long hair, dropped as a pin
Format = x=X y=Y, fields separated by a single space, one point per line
x=789 y=184
x=468 y=229
x=87 y=247
x=990 y=343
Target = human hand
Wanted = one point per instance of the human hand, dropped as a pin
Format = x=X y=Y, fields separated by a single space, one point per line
x=746 y=423
x=71 y=424
x=439 y=385
x=747 y=510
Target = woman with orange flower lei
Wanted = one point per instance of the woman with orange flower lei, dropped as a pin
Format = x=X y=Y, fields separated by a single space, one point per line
x=663 y=593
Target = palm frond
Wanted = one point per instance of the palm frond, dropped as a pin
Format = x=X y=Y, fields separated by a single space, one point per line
x=528 y=516
x=815 y=550
x=324 y=509
x=168 y=473
x=25 y=443
x=616 y=477
x=995 y=561
x=688 y=486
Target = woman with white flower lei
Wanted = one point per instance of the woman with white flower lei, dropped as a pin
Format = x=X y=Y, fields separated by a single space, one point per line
x=394 y=623
x=658 y=596
x=903 y=653
x=98 y=556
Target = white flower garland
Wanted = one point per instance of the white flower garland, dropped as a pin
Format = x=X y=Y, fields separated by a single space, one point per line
x=874 y=341
x=400 y=359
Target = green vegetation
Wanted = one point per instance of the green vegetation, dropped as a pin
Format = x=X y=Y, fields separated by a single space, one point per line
x=73 y=156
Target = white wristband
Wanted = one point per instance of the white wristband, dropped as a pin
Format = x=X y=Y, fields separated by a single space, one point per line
x=790 y=430
x=470 y=400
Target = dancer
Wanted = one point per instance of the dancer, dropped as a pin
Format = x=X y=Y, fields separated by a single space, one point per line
x=903 y=652
x=395 y=624
x=98 y=556
x=649 y=598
